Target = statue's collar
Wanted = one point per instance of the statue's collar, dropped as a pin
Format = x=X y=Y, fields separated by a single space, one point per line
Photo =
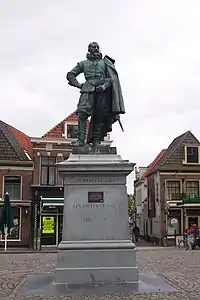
x=96 y=56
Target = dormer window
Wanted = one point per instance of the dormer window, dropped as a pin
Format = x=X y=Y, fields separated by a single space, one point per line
x=192 y=154
x=71 y=130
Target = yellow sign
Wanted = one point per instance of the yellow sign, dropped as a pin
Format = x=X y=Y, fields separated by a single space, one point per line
x=47 y=224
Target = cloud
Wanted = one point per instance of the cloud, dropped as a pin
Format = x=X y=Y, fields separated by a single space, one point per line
x=156 y=46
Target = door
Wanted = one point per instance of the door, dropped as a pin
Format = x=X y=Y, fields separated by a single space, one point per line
x=48 y=230
x=192 y=220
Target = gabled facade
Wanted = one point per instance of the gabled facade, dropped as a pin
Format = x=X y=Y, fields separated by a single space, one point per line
x=174 y=190
x=16 y=167
x=47 y=187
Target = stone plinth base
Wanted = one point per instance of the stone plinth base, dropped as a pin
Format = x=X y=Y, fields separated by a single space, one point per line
x=96 y=262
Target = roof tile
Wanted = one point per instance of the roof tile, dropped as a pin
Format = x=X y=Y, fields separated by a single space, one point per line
x=57 y=131
x=23 y=140
x=13 y=143
x=154 y=162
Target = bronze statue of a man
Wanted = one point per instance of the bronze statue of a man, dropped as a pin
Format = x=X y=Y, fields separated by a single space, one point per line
x=101 y=96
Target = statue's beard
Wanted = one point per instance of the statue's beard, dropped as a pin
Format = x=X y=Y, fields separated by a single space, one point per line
x=94 y=56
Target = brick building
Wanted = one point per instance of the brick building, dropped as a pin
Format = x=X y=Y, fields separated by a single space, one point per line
x=47 y=187
x=16 y=167
x=173 y=190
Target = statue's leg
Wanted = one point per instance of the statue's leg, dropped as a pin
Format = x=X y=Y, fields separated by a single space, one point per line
x=97 y=134
x=99 y=118
x=82 y=122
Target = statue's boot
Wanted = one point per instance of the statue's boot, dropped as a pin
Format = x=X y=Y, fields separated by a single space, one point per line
x=97 y=137
x=81 y=132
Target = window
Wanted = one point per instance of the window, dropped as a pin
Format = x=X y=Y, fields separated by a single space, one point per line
x=138 y=197
x=12 y=185
x=15 y=231
x=172 y=226
x=192 y=189
x=173 y=190
x=48 y=170
x=72 y=131
x=192 y=154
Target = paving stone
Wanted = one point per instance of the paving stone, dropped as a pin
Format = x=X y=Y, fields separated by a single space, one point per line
x=180 y=269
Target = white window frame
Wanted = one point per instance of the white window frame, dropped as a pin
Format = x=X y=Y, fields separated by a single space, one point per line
x=166 y=194
x=21 y=184
x=106 y=142
x=20 y=227
x=191 y=180
x=65 y=129
x=185 y=153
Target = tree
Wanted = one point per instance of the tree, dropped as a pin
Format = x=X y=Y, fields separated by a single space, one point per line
x=131 y=201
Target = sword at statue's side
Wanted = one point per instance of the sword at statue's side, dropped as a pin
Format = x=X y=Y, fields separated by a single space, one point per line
x=120 y=123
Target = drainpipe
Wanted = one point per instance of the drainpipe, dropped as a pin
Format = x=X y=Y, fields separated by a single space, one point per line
x=35 y=227
x=184 y=219
x=164 y=220
x=40 y=225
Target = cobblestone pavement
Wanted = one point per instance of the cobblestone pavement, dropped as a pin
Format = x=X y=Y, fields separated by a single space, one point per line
x=180 y=268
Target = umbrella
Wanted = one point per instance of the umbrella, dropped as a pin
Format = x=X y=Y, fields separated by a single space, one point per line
x=6 y=220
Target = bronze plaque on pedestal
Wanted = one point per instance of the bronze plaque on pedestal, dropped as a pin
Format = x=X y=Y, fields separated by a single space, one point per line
x=95 y=197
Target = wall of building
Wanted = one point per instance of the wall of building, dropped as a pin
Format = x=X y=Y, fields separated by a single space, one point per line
x=177 y=176
x=140 y=196
x=184 y=213
x=156 y=219
x=61 y=152
x=24 y=221
x=26 y=181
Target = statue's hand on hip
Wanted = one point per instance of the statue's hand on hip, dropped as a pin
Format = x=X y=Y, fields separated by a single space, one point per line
x=80 y=86
x=77 y=85
x=100 y=88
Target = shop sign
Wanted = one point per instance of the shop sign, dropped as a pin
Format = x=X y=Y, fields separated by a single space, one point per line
x=174 y=221
x=47 y=225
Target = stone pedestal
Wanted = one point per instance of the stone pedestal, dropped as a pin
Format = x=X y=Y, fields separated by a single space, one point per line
x=96 y=244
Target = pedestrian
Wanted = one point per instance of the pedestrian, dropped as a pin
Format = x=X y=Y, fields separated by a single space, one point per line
x=194 y=231
x=136 y=232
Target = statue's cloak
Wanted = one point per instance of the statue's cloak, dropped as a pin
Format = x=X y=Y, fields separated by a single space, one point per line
x=115 y=100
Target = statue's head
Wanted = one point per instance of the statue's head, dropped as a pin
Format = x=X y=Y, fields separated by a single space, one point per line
x=93 y=48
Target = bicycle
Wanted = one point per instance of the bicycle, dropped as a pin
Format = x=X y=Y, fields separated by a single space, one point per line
x=186 y=242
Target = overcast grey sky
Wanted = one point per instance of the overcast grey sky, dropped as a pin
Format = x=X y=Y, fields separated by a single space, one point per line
x=156 y=45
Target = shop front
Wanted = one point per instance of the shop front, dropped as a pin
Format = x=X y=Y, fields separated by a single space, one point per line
x=180 y=218
x=192 y=216
x=19 y=235
x=51 y=221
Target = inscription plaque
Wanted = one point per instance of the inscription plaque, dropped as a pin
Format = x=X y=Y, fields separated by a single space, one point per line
x=95 y=197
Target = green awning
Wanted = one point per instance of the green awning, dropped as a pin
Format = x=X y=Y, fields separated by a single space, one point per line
x=52 y=201
x=188 y=199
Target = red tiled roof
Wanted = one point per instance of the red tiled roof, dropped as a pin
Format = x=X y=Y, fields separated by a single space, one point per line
x=56 y=131
x=153 y=164
x=23 y=140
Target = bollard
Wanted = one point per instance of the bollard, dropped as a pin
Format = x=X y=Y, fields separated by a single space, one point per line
x=175 y=237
